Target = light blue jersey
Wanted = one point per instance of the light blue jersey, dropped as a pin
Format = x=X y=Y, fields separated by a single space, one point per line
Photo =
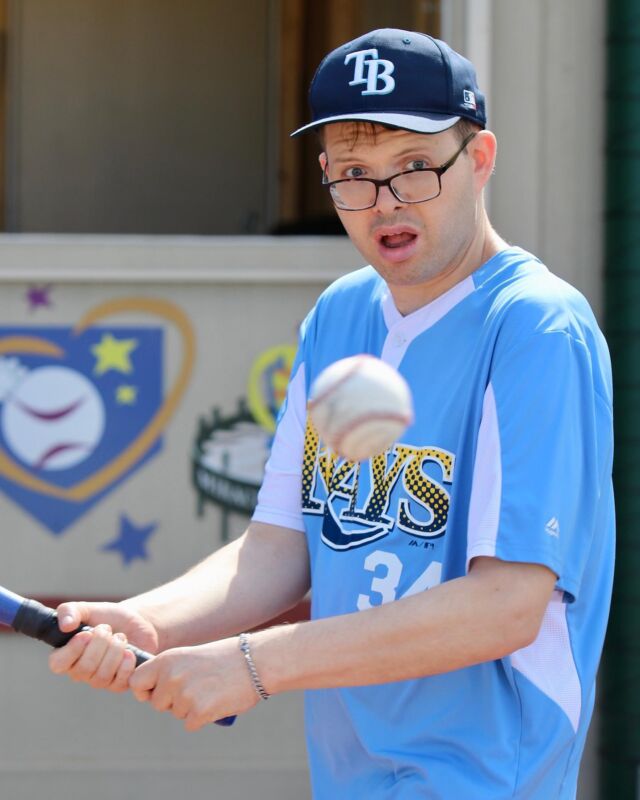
x=509 y=456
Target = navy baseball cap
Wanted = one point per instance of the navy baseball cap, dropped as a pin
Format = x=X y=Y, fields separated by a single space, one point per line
x=401 y=79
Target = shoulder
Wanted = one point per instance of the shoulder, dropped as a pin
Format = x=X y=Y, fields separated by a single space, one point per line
x=352 y=294
x=537 y=315
x=525 y=298
x=362 y=282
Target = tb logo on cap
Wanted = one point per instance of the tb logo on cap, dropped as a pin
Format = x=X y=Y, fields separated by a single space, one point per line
x=377 y=69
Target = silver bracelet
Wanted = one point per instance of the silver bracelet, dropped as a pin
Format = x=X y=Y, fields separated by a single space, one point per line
x=243 y=640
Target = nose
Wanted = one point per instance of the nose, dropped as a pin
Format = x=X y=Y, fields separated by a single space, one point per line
x=387 y=201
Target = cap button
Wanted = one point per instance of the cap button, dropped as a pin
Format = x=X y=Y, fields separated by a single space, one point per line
x=406 y=41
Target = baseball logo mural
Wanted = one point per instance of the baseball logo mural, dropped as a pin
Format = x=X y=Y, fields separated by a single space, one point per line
x=53 y=419
x=82 y=407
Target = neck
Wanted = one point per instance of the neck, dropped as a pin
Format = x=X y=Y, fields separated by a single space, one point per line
x=483 y=246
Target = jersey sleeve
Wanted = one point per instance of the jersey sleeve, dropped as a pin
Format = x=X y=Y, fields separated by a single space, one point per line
x=542 y=458
x=280 y=496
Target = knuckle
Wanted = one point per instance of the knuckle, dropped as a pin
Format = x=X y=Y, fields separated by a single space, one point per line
x=190 y=696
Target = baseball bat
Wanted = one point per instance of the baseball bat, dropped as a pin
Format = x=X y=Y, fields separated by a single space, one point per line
x=41 y=622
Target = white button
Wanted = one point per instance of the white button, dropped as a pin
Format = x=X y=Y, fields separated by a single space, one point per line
x=399 y=340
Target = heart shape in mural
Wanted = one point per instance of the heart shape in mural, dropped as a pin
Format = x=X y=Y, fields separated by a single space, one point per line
x=118 y=466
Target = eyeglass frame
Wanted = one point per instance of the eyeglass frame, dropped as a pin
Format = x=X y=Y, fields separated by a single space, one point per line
x=380 y=182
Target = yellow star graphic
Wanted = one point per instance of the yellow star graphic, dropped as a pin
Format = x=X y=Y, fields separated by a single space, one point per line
x=126 y=395
x=112 y=353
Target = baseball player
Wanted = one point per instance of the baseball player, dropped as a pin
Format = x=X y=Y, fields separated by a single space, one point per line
x=460 y=581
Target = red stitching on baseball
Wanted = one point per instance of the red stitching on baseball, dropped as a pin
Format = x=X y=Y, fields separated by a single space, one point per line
x=352 y=370
x=405 y=419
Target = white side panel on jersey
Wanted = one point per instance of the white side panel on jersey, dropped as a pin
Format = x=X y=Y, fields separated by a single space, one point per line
x=486 y=491
x=403 y=330
x=280 y=495
x=548 y=662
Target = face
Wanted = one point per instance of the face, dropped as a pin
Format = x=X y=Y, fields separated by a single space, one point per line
x=417 y=243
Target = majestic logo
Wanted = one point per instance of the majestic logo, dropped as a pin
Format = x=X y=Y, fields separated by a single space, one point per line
x=553 y=527
x=357 y=508
x=377 y=70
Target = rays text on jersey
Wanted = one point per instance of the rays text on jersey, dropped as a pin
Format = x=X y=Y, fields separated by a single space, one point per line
x=363 y=502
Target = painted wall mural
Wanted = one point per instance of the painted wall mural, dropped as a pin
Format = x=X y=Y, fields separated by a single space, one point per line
x=230 y=450
x=83 y=406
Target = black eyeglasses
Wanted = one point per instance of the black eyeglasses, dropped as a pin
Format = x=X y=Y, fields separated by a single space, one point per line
x=412 y=186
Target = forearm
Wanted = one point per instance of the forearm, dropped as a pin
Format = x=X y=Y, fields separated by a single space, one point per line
x=240 y=586
x=459 y=623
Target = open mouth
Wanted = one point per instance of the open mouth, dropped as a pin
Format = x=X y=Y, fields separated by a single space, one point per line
x=395 y=240
x=396 y=243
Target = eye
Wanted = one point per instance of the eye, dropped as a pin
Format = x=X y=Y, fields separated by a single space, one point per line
x=417 y=163
x=354 y=172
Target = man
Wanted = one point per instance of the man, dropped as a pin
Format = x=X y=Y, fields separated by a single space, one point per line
x=461 y=581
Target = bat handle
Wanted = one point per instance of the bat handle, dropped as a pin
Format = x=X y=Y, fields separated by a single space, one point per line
x=41 y=622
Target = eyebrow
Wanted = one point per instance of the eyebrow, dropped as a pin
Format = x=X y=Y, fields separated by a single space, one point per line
x=402 y=154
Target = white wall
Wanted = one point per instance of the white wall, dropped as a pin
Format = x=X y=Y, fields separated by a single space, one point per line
x=545 y=79
x=548 y=90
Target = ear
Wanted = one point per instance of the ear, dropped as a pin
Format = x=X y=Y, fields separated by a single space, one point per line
x=322 y=158
x=483 y=150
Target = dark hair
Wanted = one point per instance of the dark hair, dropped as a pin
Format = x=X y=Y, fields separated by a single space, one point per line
x=465 y=127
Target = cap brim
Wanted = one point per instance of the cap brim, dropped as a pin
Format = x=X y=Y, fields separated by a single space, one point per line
x=425 y=123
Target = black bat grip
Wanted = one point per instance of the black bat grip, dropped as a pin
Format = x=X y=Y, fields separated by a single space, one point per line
x=41 y=622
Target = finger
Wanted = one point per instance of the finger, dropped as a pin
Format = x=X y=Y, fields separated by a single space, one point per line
x=124 y=673
x=144 y=680
x=194 y=721
x=182 y=704
x=87 y=665
x=161 y=698
x=64 y=658
x=179 y=712
x=110 y=663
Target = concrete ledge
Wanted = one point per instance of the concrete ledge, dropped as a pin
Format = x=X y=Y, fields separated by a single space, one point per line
x=175 y=259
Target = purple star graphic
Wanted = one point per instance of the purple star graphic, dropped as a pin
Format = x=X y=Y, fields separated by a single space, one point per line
x=131 y=541
x=38 y=296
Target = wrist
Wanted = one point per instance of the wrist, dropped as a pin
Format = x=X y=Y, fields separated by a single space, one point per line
x=244 y=643
x=272 y=651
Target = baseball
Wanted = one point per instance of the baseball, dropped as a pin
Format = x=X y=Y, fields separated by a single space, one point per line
x=360 y=406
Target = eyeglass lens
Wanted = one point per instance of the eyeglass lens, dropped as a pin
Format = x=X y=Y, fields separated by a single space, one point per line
x=410 y=187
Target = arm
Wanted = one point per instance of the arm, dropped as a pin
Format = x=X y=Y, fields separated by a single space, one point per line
x=494 y=610
x=250 y=581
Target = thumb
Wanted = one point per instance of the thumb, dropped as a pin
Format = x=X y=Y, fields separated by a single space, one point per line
x=72 y=615
x=144 y=680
